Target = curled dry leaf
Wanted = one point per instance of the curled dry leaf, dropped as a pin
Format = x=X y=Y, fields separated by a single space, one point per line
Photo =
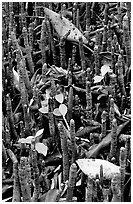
x=41 y=148
x=63 y=25
x=91 y=167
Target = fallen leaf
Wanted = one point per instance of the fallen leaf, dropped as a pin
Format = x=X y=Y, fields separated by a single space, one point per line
x=63 y=25
x=91 y=167
x=41 y=148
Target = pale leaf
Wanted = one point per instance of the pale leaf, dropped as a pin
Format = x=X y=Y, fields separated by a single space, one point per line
x=44 y=110
x=59 y=98
x=117 y=110
x=56 y=112
x=61 y=70
x=39 y=132
x=22 y=140
x=105 y=69
x=48 y=91
x=98 y=79
x=31 y=101
x=91 y=167
x=63 y=25
x=16 y=79
x=41 y=148
x=63 y=109
x=28 y=139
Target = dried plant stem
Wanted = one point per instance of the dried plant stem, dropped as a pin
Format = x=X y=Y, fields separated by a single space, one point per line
x=113 y=83
x=26 y=119
x=16 y=184
x=89 y=190
x=115 y=189
x=122 y=161
x=88 y=16
x=73 y=141
x=70 y=104
x=113 y=140
x=23 y=91
x=44 y=71
x=103 y=128
x=36 y=176
x=16 y=187
x=74 y=50
x=43 y=41
x=70 y=72
x=10 y=74
x=74 y=13
x=106 y=13
x=127 y=40
x=105 y=37
x=21 y=62
x=120 y=76
x=71 y=183
x=25 y=188
x=44 y=182
x=28 y=51
x=96 y=60
x=63 y=62
x=28 y=172
x=128 y=149
x=10 y=117
x=88 y=101
x=64 y=148
x=111 y=112
x=31 y=36
x=82 y=56
x=51 y=120
x=112 y=59
x=51 y=42
x=119 y=15
x=4 y=153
